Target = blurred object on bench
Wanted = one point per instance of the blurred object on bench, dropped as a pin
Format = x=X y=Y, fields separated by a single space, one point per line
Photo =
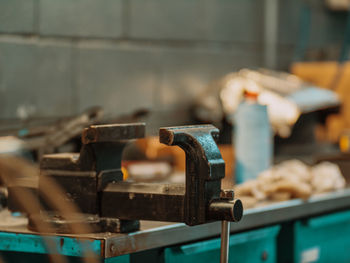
x=286 y=96
x=42 y=138
x=322 y=74
x=291 y=179
x=338 y=5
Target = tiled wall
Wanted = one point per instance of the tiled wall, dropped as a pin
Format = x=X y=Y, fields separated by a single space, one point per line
x=58 y=57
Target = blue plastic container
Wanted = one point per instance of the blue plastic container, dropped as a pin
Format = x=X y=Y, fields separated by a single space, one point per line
x=253 y=143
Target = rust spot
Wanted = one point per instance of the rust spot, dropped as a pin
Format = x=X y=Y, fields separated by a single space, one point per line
x=165 y=136
x=102 y=247
x=264 y=256
x=61 y=242
x=89 y=135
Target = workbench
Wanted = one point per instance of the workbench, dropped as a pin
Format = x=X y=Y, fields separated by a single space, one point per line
x=158 y=235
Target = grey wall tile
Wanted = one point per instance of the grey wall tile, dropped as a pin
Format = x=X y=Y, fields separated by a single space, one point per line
x=325 y=27
x=84 y=18
x=167 y=118
x=290 y=12
x=222 y=20
x=17 y=16
x=123 y=80
x=167 y=19
x=35 y=80
x=120 y=80
x=285 y=57
x=38 y=77
x=188 y=73
x=235 y=21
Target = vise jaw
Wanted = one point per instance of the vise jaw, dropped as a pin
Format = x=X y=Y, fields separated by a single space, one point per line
x=83 y=177
x=203 y=200
x=93 y=181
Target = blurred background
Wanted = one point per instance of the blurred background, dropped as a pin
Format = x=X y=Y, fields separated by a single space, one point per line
x=167 y=63
x=58 y=58
x=272 y=75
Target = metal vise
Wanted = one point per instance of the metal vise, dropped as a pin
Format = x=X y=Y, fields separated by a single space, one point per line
x=93 y=181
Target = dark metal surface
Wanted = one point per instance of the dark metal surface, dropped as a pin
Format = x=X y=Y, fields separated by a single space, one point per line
x=226 y=208
x=198 y=201
x=159 y=202
x=204 y=170
x=82 y=178
x=79 y=188
x=63 y=225
x=3 y=197
x=29 y=184
x=92 y=181
x=109 y=133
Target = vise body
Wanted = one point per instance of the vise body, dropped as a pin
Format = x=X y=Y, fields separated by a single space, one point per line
x=92 y=181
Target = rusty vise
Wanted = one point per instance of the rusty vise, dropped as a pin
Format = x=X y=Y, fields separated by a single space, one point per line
x=93 y=182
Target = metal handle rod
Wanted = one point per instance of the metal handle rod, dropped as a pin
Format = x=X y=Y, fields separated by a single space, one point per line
x=225 y=241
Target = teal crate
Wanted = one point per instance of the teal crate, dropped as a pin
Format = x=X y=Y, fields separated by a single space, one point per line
x=252 y=246
x=319 y=239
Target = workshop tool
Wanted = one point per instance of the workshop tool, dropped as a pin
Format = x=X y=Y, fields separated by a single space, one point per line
x=93 y=181
x=38 y=137
x=61 y=132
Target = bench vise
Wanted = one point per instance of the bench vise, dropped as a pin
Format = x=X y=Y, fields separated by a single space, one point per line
x=92 y=180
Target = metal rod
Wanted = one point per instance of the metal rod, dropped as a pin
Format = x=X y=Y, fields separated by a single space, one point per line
x=225 y=241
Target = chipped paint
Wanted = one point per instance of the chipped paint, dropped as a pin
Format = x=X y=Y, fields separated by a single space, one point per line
x=67 y=246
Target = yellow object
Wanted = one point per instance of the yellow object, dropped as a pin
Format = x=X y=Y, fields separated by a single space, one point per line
x=344 y=143
x=330 y=75
x=125 y=173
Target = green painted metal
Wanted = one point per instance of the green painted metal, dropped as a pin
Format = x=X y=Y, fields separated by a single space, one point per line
x=323 y=239
x=120 y=259
x=17 y=247
x=20 y=257
x=252 y=246
x=67 y=246
x=320 y=239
